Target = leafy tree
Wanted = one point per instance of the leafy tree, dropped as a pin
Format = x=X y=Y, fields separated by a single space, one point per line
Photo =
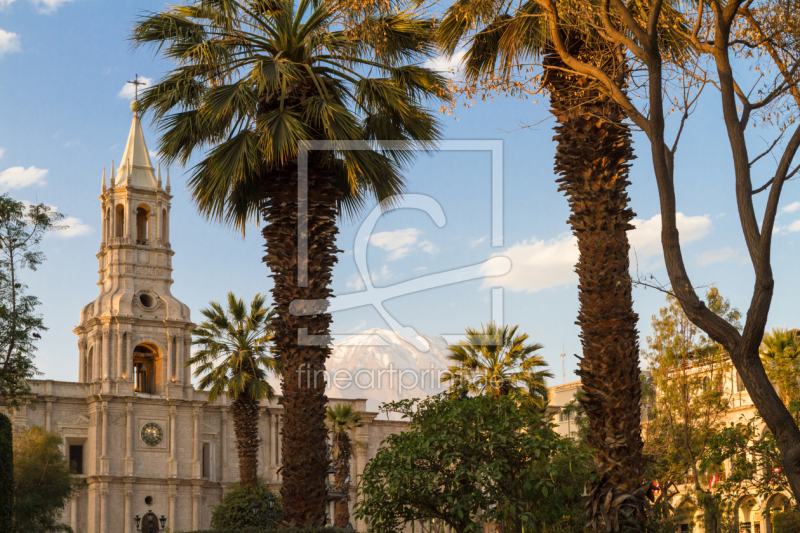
x=690 y=377
x=496 y=360
x=473 y=461
x=780 y=352
x=21 y=232
x=255 y=80
x=42 y=482
x=235 y=511
x=343 y=419
x=787 y=521
x=234 y=359
x=593 y=155
x=728 y=45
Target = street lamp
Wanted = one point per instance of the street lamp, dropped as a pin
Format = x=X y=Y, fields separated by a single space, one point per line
x=268 y=517
x=149 y=523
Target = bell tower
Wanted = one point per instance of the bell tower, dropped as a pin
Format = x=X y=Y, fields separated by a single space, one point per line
x=135 y=337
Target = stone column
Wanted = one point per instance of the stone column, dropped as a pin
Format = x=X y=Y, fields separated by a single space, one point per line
x=48 y=416
x=197 y=501
x=120 y=370
x=129 y=355
x=129 y=439
x=127 y=526
x=224 y=436
x=173 y=433
x=170 y=357
x=73 y=512
x=103 y=509
x=104 y=441
x=82 y=361
x=273 y=440
x=178 y=371
x=197 y=463
x=187 y=354
x=106 y=357
x=362 y=435
x=97 y=362
x=173 y=507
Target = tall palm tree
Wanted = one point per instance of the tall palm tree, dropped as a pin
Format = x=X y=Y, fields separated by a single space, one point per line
x=343 y=420
x=780 y=350
x=255 y=80
x=495 y=360
x=234 y=360
x=593 y=155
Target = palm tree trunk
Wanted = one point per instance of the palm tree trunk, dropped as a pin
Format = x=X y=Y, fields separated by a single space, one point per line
x=303 y=443
x=593 y=156
x=245 y=424
x=342 y=473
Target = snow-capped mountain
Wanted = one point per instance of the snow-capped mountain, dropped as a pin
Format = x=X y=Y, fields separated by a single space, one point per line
x=383 y=366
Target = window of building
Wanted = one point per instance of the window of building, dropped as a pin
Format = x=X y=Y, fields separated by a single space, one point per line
x=120 y=222
x=143 y=369
x=76 y=458
x=142 y=225
x=684 y=528
x=206 y=460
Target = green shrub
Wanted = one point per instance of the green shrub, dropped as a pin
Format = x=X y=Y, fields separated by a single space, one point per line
x=283 y=530
x=235 y=512
x=786 y=522
x=6 y=471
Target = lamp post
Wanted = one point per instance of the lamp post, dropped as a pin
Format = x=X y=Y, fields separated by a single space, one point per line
x=268 y=517
x=149 y=523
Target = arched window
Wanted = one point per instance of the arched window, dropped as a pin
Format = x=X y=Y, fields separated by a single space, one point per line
x=107 y=225
x=89 y=364
x=144 y=369
x=164 y=234
x=142 y=224
x=120 y=222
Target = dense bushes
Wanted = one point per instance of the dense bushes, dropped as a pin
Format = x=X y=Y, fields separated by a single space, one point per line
x=6 y=471
x=235 y=512
x=786 y=522
x=282 y=530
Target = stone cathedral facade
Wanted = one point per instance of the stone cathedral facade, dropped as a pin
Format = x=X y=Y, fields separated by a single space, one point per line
x=140 y=435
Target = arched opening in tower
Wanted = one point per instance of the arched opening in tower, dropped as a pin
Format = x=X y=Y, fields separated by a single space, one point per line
x=144 y=359
x=164 y=222
x=142 y=224
x=120 y=222
x=89 y=363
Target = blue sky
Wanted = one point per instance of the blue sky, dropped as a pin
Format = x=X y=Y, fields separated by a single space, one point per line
x=64 y=64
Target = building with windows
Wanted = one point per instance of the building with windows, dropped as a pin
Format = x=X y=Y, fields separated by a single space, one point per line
x=140 y=436
x=752 y=513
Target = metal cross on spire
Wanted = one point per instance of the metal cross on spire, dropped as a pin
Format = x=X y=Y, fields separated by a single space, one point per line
x=136 y=84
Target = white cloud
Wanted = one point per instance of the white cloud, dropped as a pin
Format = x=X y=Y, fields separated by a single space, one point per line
x=2 y=152
x=538 y=264
x=400 y=242
x=19 y=177
x=725 y=255
x=9 y=42
x=449 y=67
x=75 y=227
x=128 y=91
x=794 y=226
x=355 y=282
x=48 y=6
x=791 y=208
x=5 y=3
x=476 y=242
x=646 y=238
x=357 y=328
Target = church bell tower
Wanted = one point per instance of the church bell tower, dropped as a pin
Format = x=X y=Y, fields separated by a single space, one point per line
x=135 y=337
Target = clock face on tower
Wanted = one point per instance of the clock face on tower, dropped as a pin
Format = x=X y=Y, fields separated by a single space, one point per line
x=152 y=434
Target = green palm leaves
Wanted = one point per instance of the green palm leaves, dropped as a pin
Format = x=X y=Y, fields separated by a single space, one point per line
x=780 y=351
x=258 y=78
x=234 y=356
x=495 y=360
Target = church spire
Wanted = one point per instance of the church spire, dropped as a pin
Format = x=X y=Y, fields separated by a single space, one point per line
x=168 y=180
x=159 y=175
x=137 y=169
x=104 y=180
